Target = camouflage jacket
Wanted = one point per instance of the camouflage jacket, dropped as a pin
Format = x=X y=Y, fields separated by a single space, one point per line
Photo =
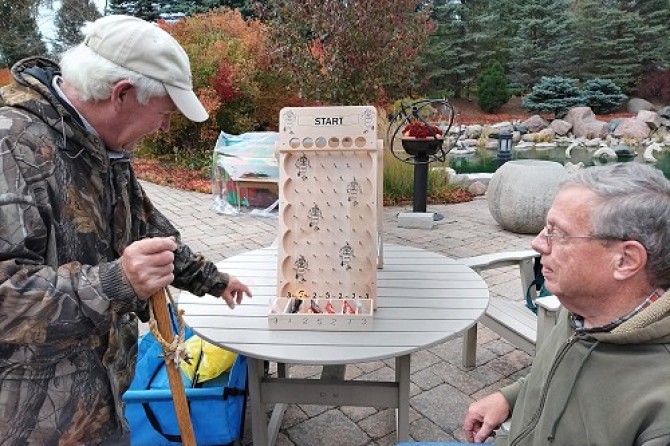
x=68 y=329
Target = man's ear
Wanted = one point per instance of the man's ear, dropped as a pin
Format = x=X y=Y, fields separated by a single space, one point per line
x=120 y=93
x=630 y=259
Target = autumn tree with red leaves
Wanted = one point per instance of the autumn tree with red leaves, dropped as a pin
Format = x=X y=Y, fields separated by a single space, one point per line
x=348 y=53
x=233 y=79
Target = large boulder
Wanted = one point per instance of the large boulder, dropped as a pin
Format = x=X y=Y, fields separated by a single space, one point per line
x=632 y=128
x=520 y=194
x=652 y=118
x=634 y=105
x=535 y=123
x=473 y=131
x=585 y=124
x=560 y=127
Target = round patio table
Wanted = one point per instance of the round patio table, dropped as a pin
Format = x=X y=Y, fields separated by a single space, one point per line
x=424 y=298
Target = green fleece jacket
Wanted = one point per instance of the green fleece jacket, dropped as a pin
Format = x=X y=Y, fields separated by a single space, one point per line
x=68 y=330
x=605 y=389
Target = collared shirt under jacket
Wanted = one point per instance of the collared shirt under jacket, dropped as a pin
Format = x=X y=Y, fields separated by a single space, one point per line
x=598 y=389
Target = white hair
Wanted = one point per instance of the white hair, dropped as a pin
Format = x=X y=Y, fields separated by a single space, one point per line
x=634 y=204
x=94 y=76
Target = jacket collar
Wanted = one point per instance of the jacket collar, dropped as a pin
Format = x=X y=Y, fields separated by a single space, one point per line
x=33 y=92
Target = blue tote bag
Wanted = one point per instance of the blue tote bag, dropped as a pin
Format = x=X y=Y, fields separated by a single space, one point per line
x=216 y=406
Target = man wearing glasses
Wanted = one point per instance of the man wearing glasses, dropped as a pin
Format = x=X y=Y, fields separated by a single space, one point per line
x=603 y=376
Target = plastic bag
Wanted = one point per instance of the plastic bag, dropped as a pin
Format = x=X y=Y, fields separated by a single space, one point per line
x=209 y=361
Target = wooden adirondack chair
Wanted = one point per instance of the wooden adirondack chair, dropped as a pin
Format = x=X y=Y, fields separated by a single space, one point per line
x=512 y=319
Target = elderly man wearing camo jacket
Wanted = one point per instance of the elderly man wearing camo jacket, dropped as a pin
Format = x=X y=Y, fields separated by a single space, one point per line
x=81 y=246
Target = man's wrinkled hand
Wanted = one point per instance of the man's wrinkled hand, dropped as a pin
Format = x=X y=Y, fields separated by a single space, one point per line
x=148 y=265
x=235 y=291
x=484 y=416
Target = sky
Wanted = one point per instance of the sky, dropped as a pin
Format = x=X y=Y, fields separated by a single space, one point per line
x=47 y=17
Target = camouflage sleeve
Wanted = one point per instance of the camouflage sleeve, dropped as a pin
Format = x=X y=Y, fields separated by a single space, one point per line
x=40 y=300
x=193 y=272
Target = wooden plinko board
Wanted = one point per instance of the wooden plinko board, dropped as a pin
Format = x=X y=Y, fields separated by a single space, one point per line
x=328 y=219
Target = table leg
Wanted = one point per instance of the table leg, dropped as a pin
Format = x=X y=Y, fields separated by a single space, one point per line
x=259 y=420
x=333 y=372
x=402 y=367
x=279 y=408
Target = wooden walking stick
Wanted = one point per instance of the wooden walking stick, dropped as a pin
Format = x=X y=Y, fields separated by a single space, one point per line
x=161 y=321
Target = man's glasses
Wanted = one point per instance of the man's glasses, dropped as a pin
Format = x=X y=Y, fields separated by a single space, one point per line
x=549 y=237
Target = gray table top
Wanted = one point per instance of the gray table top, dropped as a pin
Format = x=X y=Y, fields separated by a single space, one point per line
x=423 y=298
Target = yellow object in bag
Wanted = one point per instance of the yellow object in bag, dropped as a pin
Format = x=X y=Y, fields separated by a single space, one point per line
x=208 y=361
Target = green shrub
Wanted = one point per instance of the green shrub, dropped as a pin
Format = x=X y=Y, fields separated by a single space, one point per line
x=554 y=94
x=602 y=95
x=493 y=92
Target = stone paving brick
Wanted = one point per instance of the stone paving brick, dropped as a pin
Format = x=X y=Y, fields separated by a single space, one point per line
x=444 y=405
x=305 y=371
x=382 y=374
x=389 y=440
x=368 y=367
x=422 y=359
x=352 y=371
x=414 y=389
x=499 y=347
x=283 y=440
x=425 y=430
x=313 y=410
x=452 y=375
x=293 y=415
x=426 y=379
x=510 y=362
x=327 y=429
x=440 y=388
x=356 y=414
x=380 y=424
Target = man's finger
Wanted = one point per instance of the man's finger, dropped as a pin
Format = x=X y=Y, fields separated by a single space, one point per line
x=157 y=244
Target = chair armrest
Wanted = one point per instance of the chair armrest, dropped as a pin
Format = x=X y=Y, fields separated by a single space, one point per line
x=522 y=259
x=547 y=314
x=499 y=259
x=549 y=303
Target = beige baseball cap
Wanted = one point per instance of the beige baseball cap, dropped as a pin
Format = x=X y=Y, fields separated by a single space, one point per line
x=147 y=49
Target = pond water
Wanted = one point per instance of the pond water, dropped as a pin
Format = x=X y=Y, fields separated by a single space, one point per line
x=484 y=161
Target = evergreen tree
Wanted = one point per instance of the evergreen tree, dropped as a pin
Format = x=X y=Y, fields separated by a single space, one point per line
x=492 y=92
x=554 y=94
x=469 y=33
x=450 y=62
x=144 y=9
x=19 y=34
x=654 y=43
x=602 y=95
x=606 y=43
x=69 y=20
x=541 y=41
x=153 y=10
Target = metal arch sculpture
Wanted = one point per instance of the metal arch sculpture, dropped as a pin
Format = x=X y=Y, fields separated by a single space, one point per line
x=431 y=114
x=433 y=118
